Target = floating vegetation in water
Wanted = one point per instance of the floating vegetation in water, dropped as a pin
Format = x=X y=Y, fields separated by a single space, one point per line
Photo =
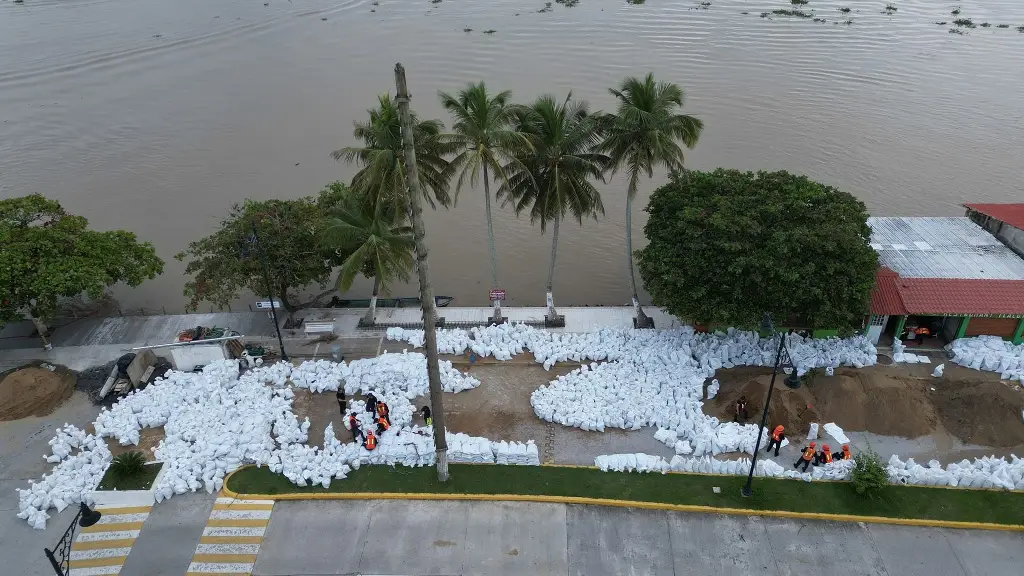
x=375 y=3
x=372 y=10
x=634 y=2
x=798 y=2
x=890 y=8
x=956 y=31
x=965 y=22
x=820 y=20
x=1020 y=29
x=467 y=30
x=848 y=21
x=491 y=31
x=704 y=4
x=1002 y=25
x=955 y=11
x=765 y=14
x=567 y=3
x=435 y=1
x=943 y=23
x=546 y=8
x=797 y=13
x=984 y=24
x=844 y=10
x=744 y=13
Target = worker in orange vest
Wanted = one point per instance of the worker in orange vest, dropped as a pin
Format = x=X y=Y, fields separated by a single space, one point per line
x=353 y=425
x=382 y=424
x=806 y=457
x=826 y=455
x=383 y=411
x=371 y=441
x=845 y=454
x=776 y=439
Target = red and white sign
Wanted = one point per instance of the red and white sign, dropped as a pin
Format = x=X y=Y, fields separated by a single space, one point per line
x=497 y=294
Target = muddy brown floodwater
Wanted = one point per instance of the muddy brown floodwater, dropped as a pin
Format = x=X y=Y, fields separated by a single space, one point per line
x=157 y=116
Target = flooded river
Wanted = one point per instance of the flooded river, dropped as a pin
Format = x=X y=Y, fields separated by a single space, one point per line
x=156 y=115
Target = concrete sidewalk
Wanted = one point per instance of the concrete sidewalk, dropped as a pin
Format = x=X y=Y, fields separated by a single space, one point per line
x=452 y=538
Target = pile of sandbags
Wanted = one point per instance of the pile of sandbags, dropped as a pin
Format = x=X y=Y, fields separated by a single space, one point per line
x=638 y=462
x=68 y=483
x=516 y=453
x=470 y=449
x=990 y=353
x=987 y=472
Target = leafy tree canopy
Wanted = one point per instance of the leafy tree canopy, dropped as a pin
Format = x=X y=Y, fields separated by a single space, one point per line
x=47 y=254
x=224 y=263
x=727 y=246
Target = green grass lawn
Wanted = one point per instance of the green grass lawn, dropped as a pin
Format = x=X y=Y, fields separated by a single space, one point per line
x=769 y=494
x=142 y=481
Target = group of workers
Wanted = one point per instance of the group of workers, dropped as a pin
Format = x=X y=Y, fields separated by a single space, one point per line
x=808 y=454
x=381 y=414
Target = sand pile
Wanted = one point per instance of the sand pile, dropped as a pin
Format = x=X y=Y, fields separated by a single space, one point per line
x=34 y=391
x=853 y=399
x=984 y=413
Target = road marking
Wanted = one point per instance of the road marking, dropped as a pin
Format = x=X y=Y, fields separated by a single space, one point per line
x=232 y=537
x=101 y=549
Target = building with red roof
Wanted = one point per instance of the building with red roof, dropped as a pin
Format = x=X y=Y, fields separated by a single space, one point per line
x=952 y=276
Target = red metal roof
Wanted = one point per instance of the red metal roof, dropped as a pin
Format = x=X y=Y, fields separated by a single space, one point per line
x=885 y=296
x=956 y=296
x=895 y=295
x=1012 y=214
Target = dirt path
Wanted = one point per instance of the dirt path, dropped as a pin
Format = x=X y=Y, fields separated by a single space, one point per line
x=34 y=391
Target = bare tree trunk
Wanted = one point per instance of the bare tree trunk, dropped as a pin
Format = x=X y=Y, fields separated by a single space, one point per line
x=422 y=270
x=640 y=320
x=42 y=329
x=371 y=312
x=550 y=299
x=490 y=247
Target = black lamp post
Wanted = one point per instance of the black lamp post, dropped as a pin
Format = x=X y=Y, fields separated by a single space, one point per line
x=84 y=518
x=253 y=241
x=792 y=381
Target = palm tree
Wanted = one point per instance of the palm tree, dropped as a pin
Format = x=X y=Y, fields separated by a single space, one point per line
x=483 y=134
x=554 y=179
x=382 y=173
x=379 y=241
x=644 y=132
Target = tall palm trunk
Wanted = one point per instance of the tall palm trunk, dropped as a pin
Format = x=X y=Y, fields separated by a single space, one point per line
x=552 y=313
x=422 y=270
x=641 y=320
x=490 y=247
x=371 y=312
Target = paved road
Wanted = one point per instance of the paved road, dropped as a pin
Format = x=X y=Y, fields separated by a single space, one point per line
x=456 y=538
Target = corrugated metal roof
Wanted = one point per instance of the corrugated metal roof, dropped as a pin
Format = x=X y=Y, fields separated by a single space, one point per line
x=1012 y=214
x=942 y=247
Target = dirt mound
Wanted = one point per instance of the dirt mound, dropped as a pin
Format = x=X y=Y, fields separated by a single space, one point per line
x=985 y=413
x=34 y=391
x=855 y=400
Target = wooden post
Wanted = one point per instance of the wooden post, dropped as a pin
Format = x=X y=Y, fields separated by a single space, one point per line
x=423 y=271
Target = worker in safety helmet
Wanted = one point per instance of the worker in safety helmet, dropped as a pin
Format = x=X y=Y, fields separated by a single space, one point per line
x=776 y=439
x=353 y=425
x=371 y=403
x=383 y=411
x=825 y=456
x=371 y=441
x=426 y=415
x=382 y=424
x=845 y=454
x=806 y=457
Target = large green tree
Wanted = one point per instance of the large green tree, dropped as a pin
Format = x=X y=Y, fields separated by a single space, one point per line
x=486 y=139
x=377 y=240
x=381 y=174
x=727 y=246
x=47 y=254
x=224 y=263
x=646 y=131
x=553 y=180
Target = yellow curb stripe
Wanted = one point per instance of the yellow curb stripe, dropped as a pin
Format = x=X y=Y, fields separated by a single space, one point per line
x=237 y=523
x=244 y=506
x=127 y=510
x=102 y=544
x=224 y=558
x=231 y=540
x=95 y=562
x=115 y=527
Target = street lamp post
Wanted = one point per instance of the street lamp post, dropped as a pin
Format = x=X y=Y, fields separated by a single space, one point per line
x=253 y=240
x=84 y=518
x=792 y=381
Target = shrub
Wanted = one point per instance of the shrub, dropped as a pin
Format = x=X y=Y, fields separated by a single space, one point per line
x=868 y=476
x=128 y=465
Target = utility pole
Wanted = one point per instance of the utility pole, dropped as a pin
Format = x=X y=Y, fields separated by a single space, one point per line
x=422 y=270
